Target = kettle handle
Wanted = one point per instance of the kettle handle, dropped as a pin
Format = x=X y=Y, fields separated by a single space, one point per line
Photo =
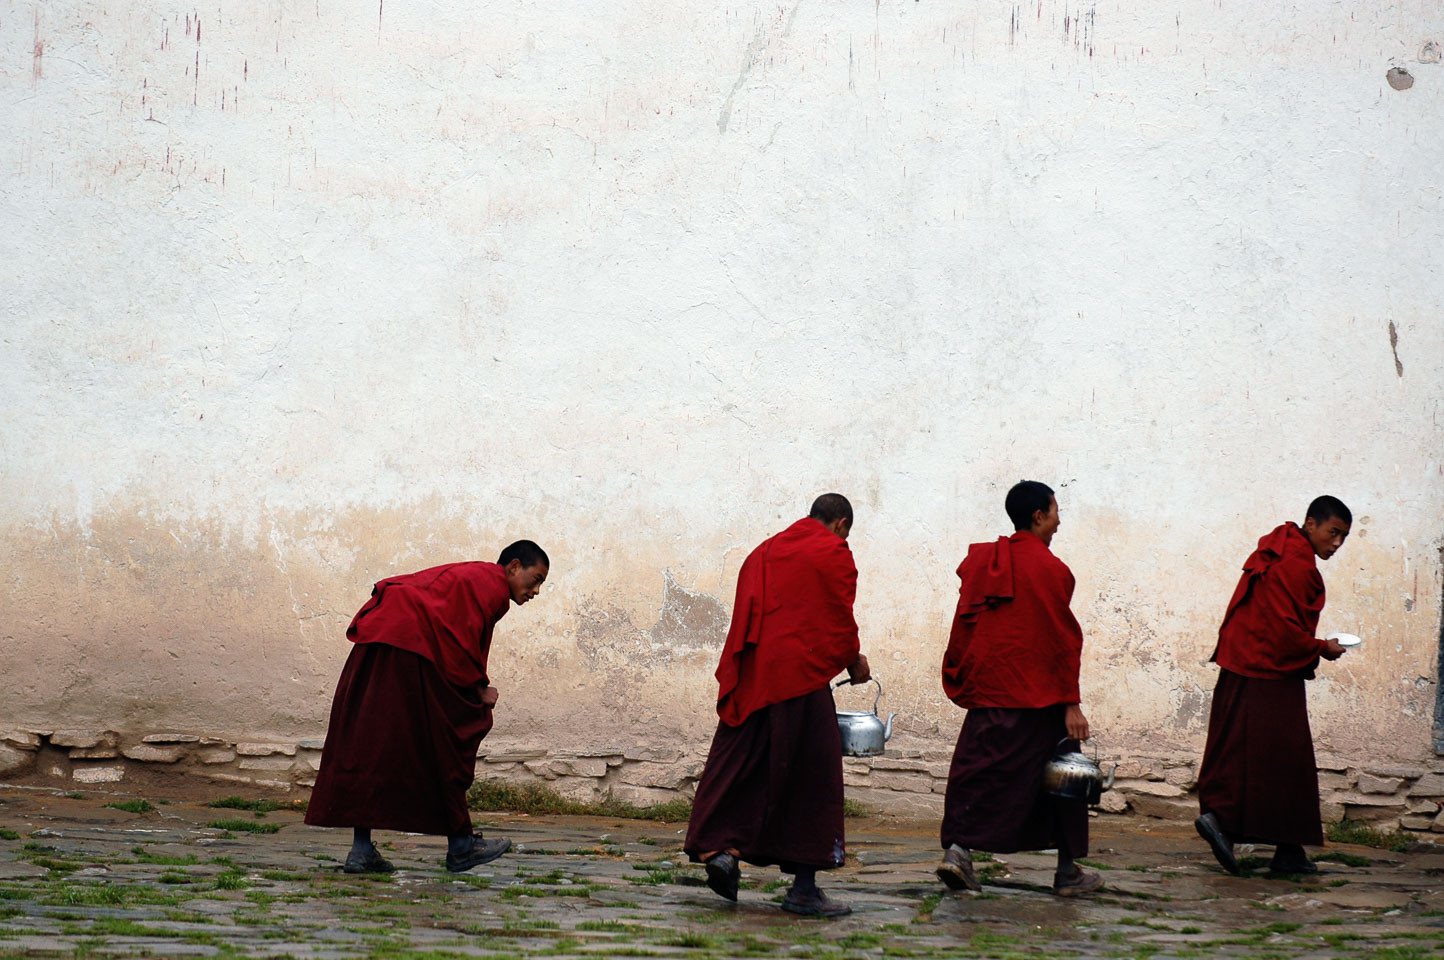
x=875 y=700
x=1111 y=773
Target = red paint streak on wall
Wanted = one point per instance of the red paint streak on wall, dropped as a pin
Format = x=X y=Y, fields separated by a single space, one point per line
x=38 y=52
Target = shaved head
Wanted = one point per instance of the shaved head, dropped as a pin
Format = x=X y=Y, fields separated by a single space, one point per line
x=527 y=552
x=1326 y=508
x=830 y=507
x=1025 y=499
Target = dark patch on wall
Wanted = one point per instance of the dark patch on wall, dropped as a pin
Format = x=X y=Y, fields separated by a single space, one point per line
x=689 y=619
x=1439 y=671
x=607 y=637
x=1394 y=345
x=1192 y=712
x=690 y=628
x=1399 y=78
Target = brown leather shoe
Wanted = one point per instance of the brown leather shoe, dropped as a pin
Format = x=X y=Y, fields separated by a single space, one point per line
x=1081 y=882
x=956 y=871
x=482 y=850
x=814 y=904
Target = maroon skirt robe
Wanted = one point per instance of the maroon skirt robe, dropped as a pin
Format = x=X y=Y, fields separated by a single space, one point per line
x=1258 y=776
x=401 y=748
x=995 y=799
x=772 y=788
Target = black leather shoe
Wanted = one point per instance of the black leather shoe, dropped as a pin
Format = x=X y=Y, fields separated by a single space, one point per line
x=723 y=874
x=369 y=862
x=814 y=904
x=1290 y=858
x=1208 y=828
x=956 y=870
x=482 y=851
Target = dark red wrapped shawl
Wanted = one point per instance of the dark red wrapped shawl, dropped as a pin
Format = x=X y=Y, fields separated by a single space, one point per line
x=792 y=625
x=1014 y=642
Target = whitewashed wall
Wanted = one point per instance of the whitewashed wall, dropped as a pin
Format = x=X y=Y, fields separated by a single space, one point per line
x=299 y=295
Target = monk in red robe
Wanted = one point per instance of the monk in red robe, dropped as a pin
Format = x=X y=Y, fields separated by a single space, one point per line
x=1012 y=662
x=771 y=791
x=1258 y=782
x=414 y=702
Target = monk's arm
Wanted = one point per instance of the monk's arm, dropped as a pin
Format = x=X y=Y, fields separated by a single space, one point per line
x=1297 y=601
x=839 y=587
x=1075 y=722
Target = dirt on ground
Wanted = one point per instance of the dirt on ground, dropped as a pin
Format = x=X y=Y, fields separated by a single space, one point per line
x=79 y=876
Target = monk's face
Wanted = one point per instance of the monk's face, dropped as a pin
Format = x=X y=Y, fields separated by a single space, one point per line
x=525 y=582
x=1046 y=524
x=1326 y=537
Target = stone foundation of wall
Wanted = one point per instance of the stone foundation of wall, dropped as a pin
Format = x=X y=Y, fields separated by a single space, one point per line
x=909 y=781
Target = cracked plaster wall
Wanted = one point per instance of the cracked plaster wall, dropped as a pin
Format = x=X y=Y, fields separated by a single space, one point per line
x=298 y=296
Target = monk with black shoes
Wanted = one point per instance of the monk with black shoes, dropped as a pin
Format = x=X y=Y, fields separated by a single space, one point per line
x=413 y=704
x=771 y=792
x=1258 y=782
x=1012 y=661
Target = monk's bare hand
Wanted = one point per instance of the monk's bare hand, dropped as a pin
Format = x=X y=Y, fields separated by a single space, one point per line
x=1076 y=723
x=1333 y=650
x=488 y=697
x=859 y=672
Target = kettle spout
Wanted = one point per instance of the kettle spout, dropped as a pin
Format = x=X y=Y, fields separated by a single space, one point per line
x=887 y=730
x=1108 y=780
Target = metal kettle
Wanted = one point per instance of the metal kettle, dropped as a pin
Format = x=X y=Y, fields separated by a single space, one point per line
x=863 y=733
x=1074 y=776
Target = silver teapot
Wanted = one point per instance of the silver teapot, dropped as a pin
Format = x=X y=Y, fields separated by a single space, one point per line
x=863 y=733
x=1073 y=776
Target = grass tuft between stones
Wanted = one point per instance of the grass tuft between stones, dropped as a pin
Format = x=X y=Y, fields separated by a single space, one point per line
x=133 y=806
x=257 y=806
x=535 y=798
x=1353 y=831
x=244 y=826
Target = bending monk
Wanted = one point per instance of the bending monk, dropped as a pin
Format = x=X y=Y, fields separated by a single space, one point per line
x=1012 y=662
x=1258 y=782
x=771 y=791
x=414 y=702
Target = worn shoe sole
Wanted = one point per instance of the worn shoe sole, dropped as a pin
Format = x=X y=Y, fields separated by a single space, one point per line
x=1088 y=883
x=478 y=856
x=809 y=909
x=722 y=877
x=958 y=878
x=375 y=863
x=1307 y=866
x=1222 y=849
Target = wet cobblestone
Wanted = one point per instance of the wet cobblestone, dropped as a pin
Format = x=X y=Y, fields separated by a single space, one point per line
x=80 y=878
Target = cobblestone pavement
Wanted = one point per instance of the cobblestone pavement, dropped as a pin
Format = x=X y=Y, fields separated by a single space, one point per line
x=78 y=877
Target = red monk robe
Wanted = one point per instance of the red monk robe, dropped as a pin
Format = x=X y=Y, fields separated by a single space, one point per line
x=445 y=614
x=792 y=625
x=408 y=716
x=1268 y=629
x=1013 y=659
x=1258 y=777
x=772 y=786
x=1014 y=641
